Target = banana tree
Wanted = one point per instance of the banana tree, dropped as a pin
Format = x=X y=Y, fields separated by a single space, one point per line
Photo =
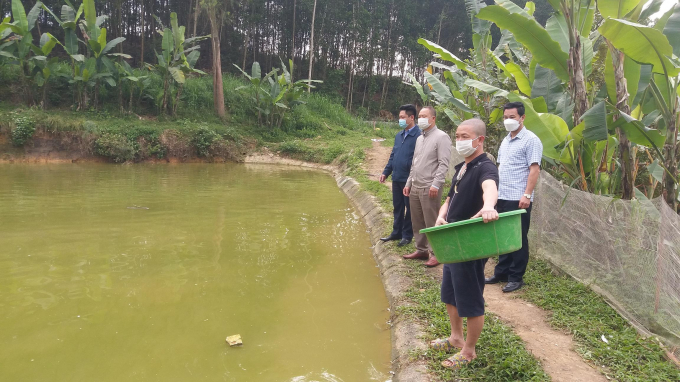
x=622 y=74
x=274 y=94
x=659 y=47
x=70 y=16
x=5 y=42
x=96 y=41
x=21 y=48
x=560 y=57
x=562 y=46
x=122 y=73
x=256 y=81
x=44 y=69
x=176 y=59
x=286 y=93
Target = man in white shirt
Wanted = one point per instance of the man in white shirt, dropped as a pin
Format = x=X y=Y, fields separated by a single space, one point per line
x=519 y=159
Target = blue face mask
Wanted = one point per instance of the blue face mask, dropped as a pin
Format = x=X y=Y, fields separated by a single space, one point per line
x=402 y=123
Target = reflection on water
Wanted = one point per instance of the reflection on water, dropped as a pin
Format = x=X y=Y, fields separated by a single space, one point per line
x=113 y=273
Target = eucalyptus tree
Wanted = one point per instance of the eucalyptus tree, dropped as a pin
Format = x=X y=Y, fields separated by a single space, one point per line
x=216 y=12
x=311 y=47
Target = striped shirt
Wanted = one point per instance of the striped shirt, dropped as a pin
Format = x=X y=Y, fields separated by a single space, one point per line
x=515 y=156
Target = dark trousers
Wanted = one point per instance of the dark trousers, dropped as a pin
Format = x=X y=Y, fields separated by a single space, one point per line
x=402 y=226
x=513 y=265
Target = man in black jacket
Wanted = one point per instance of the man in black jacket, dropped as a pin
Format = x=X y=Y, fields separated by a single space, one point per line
x=399 y=166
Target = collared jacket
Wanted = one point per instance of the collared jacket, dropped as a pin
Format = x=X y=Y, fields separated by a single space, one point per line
x=399 y=165
x=430 y=159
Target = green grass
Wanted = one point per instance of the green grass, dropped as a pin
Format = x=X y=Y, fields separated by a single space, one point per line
x=501 y=355
x=320 y=130
x=574 y=307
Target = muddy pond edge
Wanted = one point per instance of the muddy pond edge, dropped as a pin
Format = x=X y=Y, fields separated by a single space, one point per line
x=406 y=333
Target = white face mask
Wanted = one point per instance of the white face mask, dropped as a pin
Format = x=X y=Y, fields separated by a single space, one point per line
x=465 y=148
x=511 y=124
x=423 y=123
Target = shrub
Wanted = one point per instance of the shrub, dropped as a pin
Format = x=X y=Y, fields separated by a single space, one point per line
x=24 y=127
x=115 y=147
x=203 y=137
x=333 y=151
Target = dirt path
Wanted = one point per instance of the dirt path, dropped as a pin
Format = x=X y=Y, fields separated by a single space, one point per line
x=555 y=349
x=376 y=159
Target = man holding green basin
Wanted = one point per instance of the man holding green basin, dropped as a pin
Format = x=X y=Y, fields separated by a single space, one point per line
x=473 y=193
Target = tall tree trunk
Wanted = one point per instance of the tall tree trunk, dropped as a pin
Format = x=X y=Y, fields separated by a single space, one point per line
x=132 y=87
x=311 y=49
x=191 y=6
x=153 y=26
x=120 y=98
x=577 y=81
x=292 y=47
x=218 y=85
x=245 y=51
x=141 y=56
x=441 y=21
x=196 y=12
x=367 y=78
x=350 y=89
x=166 y=88
x=627 y=181
x=44 y=96
x=177 y=96
x=389 y=47
x=96 y=95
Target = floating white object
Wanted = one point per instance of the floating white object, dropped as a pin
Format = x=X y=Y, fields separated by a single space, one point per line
x=234 y=340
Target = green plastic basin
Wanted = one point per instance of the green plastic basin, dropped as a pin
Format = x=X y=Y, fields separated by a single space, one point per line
x=473 y=239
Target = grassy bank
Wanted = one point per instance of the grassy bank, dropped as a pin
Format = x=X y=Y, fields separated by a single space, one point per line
x=626 y=355
x=320 y=130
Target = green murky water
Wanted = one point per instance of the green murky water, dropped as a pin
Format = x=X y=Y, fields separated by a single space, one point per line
x=92 y=290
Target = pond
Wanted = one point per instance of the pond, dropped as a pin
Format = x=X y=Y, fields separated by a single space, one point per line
x=139 y=273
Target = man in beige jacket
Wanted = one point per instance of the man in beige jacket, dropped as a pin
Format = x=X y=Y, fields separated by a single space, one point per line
x=426 y=181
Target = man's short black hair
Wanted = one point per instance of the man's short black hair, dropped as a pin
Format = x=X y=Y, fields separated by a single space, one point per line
x=409 y=109
x=515 y=105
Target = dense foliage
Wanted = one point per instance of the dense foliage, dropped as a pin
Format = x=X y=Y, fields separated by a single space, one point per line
x=599 y=84
x=363 y=48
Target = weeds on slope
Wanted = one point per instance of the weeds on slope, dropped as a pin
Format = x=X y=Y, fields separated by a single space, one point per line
x=626 y=355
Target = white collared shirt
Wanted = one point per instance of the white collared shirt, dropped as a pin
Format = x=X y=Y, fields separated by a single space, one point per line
x=515 y=156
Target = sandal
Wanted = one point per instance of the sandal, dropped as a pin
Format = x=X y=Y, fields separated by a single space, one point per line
x=456 y=362
x=442 y=344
